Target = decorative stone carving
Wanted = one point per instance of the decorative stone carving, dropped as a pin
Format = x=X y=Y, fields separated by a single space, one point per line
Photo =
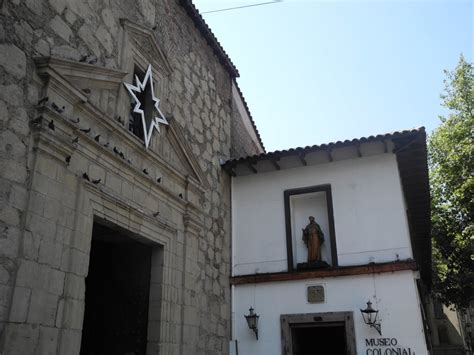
x=315 y=294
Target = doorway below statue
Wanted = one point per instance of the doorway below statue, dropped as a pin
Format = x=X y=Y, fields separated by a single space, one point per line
x=324 y=339
x=318 y=333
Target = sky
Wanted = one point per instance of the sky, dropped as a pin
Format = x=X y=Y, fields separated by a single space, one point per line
x=315 y=71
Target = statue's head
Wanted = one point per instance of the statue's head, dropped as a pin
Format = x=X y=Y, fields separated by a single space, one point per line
x=311 y=218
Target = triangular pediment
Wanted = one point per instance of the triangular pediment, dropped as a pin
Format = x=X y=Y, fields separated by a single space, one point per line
x=171 y=145
x=90 y=84
x=145 y=45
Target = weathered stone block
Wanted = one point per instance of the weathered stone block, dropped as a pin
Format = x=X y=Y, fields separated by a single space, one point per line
x=46 y=167
x=11 y=145
x=51 y=209
x=24 y=31
x=79 y=262
x=19 y=121
x=60 y=28
x=57 y=5
x=65 y=51
x=73 y=314
x=10 y=216
x=86 y=34
x=43 y=307
x=191 y=315
x=20 y=338
x=36 y=6
x=105 y=39
x=48 y=338
x=9 y=241
x=70 y=16
x=55 y=281
x=75 y=287
x=31 y=246
x=20 y=302
x=4 y=275
x=70 y=342
x=37 y=201
x=13 y=60
x=42 y=47
x=5 y=295
x=113 y=182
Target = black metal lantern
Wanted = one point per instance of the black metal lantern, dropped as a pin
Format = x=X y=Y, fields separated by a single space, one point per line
x=252 y=321
x=370 y=317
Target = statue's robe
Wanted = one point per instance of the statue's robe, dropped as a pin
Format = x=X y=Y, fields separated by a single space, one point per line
x=313 y=238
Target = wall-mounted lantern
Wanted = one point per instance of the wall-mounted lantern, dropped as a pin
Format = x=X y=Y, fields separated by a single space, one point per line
x=370 y=317
x=252 y=321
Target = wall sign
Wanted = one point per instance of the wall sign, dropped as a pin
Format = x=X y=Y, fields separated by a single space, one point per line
x=146 y=87
x=315 y=294
x=386 y=346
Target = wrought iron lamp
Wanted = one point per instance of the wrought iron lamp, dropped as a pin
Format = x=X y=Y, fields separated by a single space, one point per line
x=370 y=317
x=252 y=321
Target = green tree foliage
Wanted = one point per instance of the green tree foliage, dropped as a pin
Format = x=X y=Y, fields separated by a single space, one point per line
x=451 y=152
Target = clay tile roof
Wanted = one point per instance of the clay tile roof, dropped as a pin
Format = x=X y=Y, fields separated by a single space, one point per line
x=325 y=146
x=211 y=39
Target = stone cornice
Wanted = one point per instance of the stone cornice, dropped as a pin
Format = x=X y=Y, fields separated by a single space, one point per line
x=70 y=68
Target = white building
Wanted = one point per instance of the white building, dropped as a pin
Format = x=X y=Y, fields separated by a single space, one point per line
x=371 y=199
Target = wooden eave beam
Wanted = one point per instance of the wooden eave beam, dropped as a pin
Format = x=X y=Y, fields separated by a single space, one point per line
x=329 y=153
x=359 y=153
x=251 y=166
x=333 y=272
x=302 y=157
x=274 y=161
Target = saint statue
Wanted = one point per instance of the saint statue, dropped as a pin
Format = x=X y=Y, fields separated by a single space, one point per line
x=313 y=237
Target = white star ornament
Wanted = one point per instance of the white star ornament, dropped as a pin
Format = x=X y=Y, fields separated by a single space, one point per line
x=140 y=88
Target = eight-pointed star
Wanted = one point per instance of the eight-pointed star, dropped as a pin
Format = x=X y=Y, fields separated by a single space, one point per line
x=138 y=89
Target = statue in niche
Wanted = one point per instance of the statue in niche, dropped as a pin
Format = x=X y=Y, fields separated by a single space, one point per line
x=313 y=237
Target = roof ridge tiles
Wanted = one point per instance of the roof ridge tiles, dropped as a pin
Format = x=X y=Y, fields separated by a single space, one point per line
x=390 y=135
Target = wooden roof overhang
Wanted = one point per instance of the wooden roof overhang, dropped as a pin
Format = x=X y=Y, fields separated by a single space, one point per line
x=410 y=149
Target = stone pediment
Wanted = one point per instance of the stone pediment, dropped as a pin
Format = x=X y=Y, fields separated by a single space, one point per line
x=172 y=147
x=145 y=46
x=85 y=84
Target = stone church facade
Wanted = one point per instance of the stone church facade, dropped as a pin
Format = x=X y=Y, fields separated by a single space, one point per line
x=95 y=229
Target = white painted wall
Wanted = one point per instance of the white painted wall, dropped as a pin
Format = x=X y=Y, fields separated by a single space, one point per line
x=393 y=294
x=369 y=213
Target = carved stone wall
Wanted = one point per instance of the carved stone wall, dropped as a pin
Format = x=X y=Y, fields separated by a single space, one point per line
x=175 y=194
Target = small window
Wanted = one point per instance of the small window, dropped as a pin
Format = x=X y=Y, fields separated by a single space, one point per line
x=135 y=124
x=310 y=235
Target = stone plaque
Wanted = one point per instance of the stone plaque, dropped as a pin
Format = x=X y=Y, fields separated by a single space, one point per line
x=316 y=294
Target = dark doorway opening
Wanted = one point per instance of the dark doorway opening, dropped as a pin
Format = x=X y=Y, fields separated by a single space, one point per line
x=117 y=294
x=318 y=333
x=328 y=338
